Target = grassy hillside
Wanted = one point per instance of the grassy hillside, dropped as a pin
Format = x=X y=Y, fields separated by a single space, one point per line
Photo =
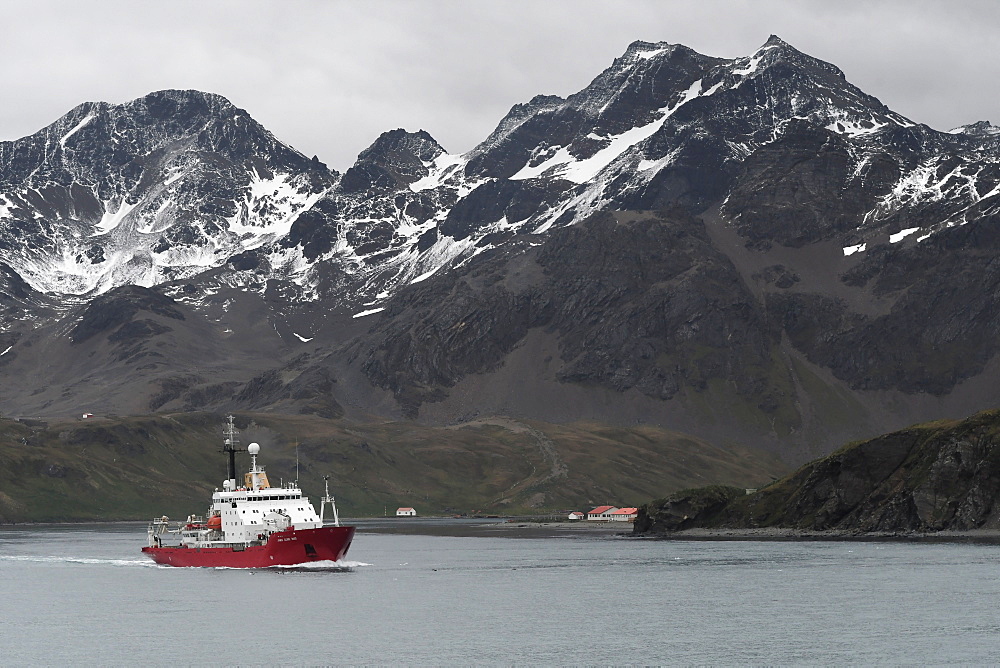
x=113 y=468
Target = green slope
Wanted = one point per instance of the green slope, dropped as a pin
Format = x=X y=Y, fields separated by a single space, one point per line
x=117 y=468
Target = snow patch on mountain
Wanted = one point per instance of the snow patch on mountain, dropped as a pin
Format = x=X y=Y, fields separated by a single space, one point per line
x=902 y=234
x=751 y=67
x=175 y=173
x=646 y=55
x=412 y=266
x=564 y=164
x=853 y=127
x=441 y=169
x=113 y=218
x=270 y=208
x=188 y=260
x=924 y=184
x=87 y=119
x=67 y=272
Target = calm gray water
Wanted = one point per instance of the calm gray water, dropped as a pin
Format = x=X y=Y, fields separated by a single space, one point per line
x=83 y=595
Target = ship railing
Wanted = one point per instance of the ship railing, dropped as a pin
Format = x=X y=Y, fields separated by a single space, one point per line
x=159 y=525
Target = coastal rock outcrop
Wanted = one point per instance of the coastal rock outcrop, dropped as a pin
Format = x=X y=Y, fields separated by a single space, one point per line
x=937 y=477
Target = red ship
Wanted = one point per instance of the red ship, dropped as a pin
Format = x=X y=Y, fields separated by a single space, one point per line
x=252 y=525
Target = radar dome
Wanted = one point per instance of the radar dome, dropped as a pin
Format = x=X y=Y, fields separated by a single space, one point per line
x=253 y=448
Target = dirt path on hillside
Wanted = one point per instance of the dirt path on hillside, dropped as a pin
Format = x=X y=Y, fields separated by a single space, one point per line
x=550 y=455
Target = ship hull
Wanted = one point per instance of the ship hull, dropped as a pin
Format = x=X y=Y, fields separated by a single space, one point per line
x=285 y=548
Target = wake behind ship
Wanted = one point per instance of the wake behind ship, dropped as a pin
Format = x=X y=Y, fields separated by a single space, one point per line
x=252 y=525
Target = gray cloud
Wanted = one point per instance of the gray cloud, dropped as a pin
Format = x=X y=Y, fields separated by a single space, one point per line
x=329 y=77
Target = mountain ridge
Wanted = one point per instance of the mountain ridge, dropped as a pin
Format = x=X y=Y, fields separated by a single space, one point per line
x=752 y=249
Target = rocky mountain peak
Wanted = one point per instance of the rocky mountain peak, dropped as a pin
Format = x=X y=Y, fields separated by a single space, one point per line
x=396 y=159
x=777 y=51
x=111 y=146
x=146 y=191
x=633 y=91
x=778 y=86
x=642 y=50
x=977 y=129
x=775 y=41
x=181 y=107
x=641 y=80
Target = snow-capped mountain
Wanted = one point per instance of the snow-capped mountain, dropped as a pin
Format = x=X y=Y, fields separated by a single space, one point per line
x=179 y=182
x=142 y=193
x=750 y=247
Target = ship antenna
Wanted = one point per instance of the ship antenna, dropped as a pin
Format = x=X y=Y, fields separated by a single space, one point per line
x=296 y=462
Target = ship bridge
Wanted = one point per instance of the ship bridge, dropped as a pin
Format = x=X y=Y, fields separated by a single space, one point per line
x=256 y=510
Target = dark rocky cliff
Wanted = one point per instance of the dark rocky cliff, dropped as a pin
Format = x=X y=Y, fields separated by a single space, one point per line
x=934 y=477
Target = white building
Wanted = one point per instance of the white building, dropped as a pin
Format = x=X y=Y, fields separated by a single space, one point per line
x=601 y=513
x=624 y=515
x=406 y=512
x=576 y=516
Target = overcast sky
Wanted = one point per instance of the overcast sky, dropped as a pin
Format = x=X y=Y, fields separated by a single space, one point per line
x=327 y=77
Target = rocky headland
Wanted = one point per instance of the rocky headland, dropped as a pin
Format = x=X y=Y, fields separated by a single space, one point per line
x=937 y=480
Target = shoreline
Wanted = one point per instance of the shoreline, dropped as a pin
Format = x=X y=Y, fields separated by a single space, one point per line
x=532 y=527
x=491 y=527
x=981 y=536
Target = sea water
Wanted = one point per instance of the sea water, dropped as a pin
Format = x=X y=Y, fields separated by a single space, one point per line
x=83 y=595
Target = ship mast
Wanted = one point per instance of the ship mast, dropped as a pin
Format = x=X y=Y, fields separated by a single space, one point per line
x=333 y=504
x=230 y=447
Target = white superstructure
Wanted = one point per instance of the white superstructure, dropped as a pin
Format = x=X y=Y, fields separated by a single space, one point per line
x=256 y=510
x=247 y=514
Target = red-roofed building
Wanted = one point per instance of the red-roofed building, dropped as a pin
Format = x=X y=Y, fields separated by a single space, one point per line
x=406 y=512
x=601 y=513
x=624 y=515
x=576 y=515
